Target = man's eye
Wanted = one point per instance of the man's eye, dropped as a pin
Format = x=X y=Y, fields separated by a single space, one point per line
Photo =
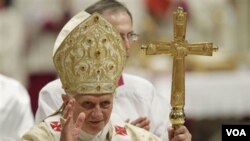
x=87 y=105
x=130 y=34
x=105 y=104
x=133 y=36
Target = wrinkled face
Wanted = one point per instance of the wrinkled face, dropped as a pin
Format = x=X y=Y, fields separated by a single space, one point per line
x=122 y=21
x=97 y=109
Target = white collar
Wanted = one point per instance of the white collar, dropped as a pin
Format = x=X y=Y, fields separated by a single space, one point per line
x=98 y=137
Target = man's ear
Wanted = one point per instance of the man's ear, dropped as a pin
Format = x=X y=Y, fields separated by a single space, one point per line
x=65 y=98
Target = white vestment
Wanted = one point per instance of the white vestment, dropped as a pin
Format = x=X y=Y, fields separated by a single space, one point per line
x=135 y=98
x=12 y=44
x=15 y=109
x=115 y=130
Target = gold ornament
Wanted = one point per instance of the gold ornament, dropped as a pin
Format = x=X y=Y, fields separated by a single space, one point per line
x=91 y=58
x=179 y=48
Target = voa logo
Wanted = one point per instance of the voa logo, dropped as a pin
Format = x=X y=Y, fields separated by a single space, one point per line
x=236 y=132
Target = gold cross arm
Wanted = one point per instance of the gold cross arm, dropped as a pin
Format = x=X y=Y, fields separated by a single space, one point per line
x=179 y=48
x=157 y=48
x=204 y=49
x=153 y=48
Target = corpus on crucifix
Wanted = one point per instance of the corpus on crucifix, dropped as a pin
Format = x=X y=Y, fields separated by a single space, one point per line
x=179 y=48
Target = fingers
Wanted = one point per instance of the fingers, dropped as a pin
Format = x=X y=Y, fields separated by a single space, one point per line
x=78 y=124
x=80 y=120
x=70 y=129
x=180 y=133
x=146 y=127
x=67 y=125
x=127 y=120
x=142 y=122
x=68 y=114
x=69 y=108
x=181 y=130
x=68 y=120
x=170 y=133
x=138 y=120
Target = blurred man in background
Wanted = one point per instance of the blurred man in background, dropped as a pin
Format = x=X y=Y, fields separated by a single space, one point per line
x=15 y=109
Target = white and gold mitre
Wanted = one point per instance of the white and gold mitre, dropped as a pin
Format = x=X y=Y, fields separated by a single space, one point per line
x=89 y=55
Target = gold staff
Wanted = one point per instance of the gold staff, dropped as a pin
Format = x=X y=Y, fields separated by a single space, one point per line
x=179 y=48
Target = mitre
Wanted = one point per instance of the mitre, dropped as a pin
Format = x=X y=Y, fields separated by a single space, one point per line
x=89 y=55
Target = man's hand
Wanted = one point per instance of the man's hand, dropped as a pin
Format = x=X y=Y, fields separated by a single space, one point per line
x=142 y=122
x=180 y=133
x=70 y=129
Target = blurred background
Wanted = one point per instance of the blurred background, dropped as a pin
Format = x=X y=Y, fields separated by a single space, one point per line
x=217 y=87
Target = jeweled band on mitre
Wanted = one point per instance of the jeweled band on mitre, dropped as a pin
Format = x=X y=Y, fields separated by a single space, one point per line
x=91 y=58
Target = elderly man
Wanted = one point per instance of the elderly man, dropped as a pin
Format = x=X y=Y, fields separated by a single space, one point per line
x=138 y=94
x=135 y=99
x=89 y=58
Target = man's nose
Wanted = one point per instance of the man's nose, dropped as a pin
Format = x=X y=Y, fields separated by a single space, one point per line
x=127 y=44
x=97 y=113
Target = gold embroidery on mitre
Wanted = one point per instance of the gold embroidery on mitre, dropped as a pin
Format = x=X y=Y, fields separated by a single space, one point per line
x=91 y=58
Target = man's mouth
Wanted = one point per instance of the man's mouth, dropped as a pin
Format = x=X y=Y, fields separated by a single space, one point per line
x=95 y=122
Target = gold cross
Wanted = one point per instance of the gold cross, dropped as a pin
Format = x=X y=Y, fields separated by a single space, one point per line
x=178 y=48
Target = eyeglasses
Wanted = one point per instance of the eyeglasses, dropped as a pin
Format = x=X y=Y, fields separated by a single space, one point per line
x=132 y=37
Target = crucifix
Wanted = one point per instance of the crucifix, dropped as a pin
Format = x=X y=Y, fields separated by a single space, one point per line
x=179 y=48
